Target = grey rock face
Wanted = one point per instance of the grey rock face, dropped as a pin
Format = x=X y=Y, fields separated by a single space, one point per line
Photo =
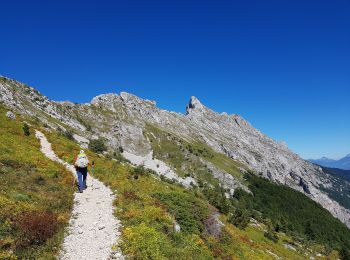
x=176 y=227
x=10 y=115
x=213 y=225
x=122 y=120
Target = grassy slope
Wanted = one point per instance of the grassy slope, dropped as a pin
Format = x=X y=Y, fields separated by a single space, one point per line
x=188 y=159
x=31 y=188
x=148 y=207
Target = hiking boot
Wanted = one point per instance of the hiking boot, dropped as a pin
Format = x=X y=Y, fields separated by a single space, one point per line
x=80 y=191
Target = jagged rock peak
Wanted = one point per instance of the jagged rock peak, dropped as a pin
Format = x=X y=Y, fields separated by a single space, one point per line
x=194 y=105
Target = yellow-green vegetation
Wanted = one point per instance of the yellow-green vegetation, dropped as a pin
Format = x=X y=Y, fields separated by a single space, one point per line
x=149 y=207
x=35 y=194
x=189 y=158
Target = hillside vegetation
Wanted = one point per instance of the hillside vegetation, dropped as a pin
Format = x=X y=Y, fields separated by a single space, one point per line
x=190 y=158
x=35 y=195
x=36 y=200
x=293 y=213
x=149 y=207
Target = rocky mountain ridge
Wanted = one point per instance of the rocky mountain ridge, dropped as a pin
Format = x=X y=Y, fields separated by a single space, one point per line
x=122 y=120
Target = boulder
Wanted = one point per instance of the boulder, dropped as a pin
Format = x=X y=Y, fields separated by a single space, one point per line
x=10 y=115
x=213 y=225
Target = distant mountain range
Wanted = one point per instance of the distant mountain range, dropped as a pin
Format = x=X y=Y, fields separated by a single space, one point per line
x=343 y=163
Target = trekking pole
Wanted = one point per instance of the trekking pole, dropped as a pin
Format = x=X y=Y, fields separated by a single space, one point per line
x=92 y=173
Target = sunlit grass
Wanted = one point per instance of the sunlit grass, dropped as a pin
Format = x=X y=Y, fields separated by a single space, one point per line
x=29 y=183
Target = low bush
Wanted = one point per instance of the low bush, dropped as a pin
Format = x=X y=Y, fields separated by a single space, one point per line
x=140 y=171
x=117 y=155
x=271 y=235
x=69 y=134
x=144 y=242
x=25 y=129
x=97 y=145
x=240 y=218
x=216 y=197
x=130 y=195
x=189 y=211
x=36 y=228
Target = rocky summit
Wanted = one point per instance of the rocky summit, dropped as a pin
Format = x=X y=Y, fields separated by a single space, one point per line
x=124 y=121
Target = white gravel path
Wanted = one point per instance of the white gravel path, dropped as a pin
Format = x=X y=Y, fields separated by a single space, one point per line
x=93 y=229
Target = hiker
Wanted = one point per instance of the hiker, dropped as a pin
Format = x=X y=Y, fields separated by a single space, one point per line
x=81 y=165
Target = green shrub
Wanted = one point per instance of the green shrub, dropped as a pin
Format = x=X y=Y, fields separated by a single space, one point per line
x=25 y=129
x=216 y=197
x=88 y=127
x=119 y=157
x=189 y=211
x=144 y=242
x=271 y=235
x=139 y=171
x=97 y=145
x=240 y=218
x=344 y=254
x=69 y=134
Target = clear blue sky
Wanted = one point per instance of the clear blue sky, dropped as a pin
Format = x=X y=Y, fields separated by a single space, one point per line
x=284 y=65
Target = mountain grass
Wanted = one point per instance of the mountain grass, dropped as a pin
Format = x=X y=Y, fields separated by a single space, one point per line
x=35 y=195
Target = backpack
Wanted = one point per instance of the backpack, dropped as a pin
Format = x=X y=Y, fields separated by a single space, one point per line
x=82 y=161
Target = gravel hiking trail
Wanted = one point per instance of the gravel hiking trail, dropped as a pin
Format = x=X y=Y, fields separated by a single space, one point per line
x=93 y=229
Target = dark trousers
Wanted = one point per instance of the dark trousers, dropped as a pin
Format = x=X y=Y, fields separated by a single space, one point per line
x=82 y=174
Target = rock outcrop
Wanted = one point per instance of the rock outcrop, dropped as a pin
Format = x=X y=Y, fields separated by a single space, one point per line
x=10 y=115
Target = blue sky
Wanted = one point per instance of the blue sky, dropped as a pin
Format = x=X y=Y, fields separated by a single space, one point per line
x=283 y=65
